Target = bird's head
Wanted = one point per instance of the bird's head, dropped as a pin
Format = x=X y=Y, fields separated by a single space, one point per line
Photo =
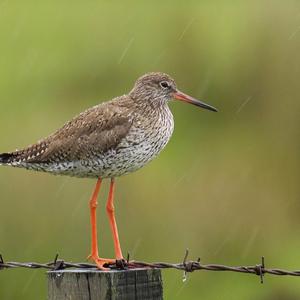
x=158 y=88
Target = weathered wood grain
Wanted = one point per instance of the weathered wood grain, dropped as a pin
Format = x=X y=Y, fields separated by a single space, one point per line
x=103 y=285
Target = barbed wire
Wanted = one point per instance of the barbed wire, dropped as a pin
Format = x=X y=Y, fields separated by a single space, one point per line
x=186 y=266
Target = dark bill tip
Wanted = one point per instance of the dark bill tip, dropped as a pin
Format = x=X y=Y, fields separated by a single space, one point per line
x=186 y=98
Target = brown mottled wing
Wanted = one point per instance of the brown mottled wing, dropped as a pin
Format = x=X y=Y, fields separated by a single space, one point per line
x=93 y=132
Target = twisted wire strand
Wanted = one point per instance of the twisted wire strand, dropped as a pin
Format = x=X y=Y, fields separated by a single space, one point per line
x=186 y=266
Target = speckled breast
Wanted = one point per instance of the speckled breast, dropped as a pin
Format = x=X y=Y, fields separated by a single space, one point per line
x=143 y=143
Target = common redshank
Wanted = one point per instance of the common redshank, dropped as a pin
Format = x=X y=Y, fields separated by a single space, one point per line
x=106 y=141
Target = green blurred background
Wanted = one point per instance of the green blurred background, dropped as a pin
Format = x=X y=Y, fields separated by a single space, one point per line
x=227 y=185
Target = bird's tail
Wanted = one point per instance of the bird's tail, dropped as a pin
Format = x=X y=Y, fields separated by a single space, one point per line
x=6 y=158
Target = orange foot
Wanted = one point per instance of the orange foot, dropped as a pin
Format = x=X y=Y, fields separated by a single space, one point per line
x=100 y=262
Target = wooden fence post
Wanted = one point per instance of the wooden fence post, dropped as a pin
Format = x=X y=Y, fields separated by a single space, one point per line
x=80 y=284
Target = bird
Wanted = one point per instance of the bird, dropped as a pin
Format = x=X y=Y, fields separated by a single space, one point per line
x=107 y=141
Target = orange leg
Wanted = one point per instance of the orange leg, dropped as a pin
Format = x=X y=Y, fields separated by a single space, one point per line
x=94 y=254
x=112 y=220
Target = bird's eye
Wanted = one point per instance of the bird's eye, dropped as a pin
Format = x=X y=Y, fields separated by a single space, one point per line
x=164 y=84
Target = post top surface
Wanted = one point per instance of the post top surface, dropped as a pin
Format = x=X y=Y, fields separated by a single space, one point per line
x=100 y=271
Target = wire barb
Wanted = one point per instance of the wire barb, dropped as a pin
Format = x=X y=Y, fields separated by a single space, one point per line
x=1 y=262
x=58 y=264
x=128 y=257
x=184 y=278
